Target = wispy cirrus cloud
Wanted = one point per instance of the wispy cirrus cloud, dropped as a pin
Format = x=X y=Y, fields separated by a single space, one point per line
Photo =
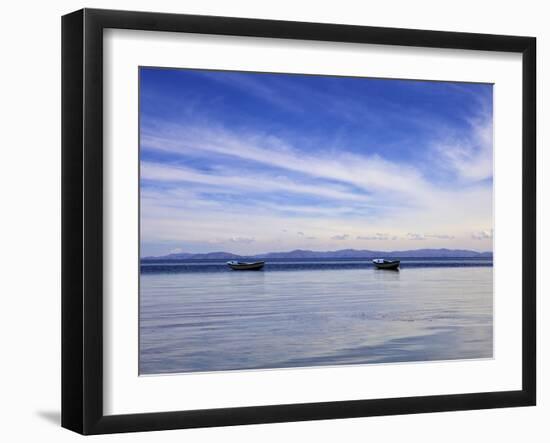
x=470 y=155
x=235 y=180
x=368 y=173
x=256 y=87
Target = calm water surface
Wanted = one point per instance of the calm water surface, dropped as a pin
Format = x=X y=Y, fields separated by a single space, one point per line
x=204 y=320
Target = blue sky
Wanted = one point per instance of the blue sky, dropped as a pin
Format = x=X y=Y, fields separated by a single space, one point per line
x=257 y=162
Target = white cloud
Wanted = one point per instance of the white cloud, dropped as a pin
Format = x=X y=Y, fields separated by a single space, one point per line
x=440 y=236
x=415 y=236
x=377 y=236
x=241 y=240
x=482 y=235
x=419 y=236
x=340 y=237
x=471 y=157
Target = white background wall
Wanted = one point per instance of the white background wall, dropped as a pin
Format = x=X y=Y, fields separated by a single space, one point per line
x=30 y=219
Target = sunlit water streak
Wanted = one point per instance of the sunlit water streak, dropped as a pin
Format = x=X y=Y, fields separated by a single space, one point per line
x=212 y=321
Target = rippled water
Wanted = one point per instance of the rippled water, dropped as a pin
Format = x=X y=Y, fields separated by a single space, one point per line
x=213 y=321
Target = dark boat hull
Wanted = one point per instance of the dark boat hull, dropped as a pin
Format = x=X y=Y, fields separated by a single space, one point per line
x=246 y=266
x=394 y=265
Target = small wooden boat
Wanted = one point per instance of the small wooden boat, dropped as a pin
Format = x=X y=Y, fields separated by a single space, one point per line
x=245 y=266
x=382 y=263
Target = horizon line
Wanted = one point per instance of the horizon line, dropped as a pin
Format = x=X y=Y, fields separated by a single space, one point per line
x=318 y=251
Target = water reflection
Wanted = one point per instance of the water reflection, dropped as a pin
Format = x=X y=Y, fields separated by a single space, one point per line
x=387 y=274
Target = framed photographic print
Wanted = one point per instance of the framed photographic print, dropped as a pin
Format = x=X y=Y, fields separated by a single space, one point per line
x=269 y=221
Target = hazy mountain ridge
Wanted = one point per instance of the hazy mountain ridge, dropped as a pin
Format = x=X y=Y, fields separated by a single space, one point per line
x=342 y=253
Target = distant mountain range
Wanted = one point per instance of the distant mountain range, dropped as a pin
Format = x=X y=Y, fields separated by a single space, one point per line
x=342 y=253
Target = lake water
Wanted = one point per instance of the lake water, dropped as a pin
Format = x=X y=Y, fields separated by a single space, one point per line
x=201 y=316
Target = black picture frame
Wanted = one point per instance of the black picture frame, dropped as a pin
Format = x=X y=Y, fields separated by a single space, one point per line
x=82 y=218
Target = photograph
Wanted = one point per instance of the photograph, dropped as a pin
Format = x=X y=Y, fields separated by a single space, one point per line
x=294 y=221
